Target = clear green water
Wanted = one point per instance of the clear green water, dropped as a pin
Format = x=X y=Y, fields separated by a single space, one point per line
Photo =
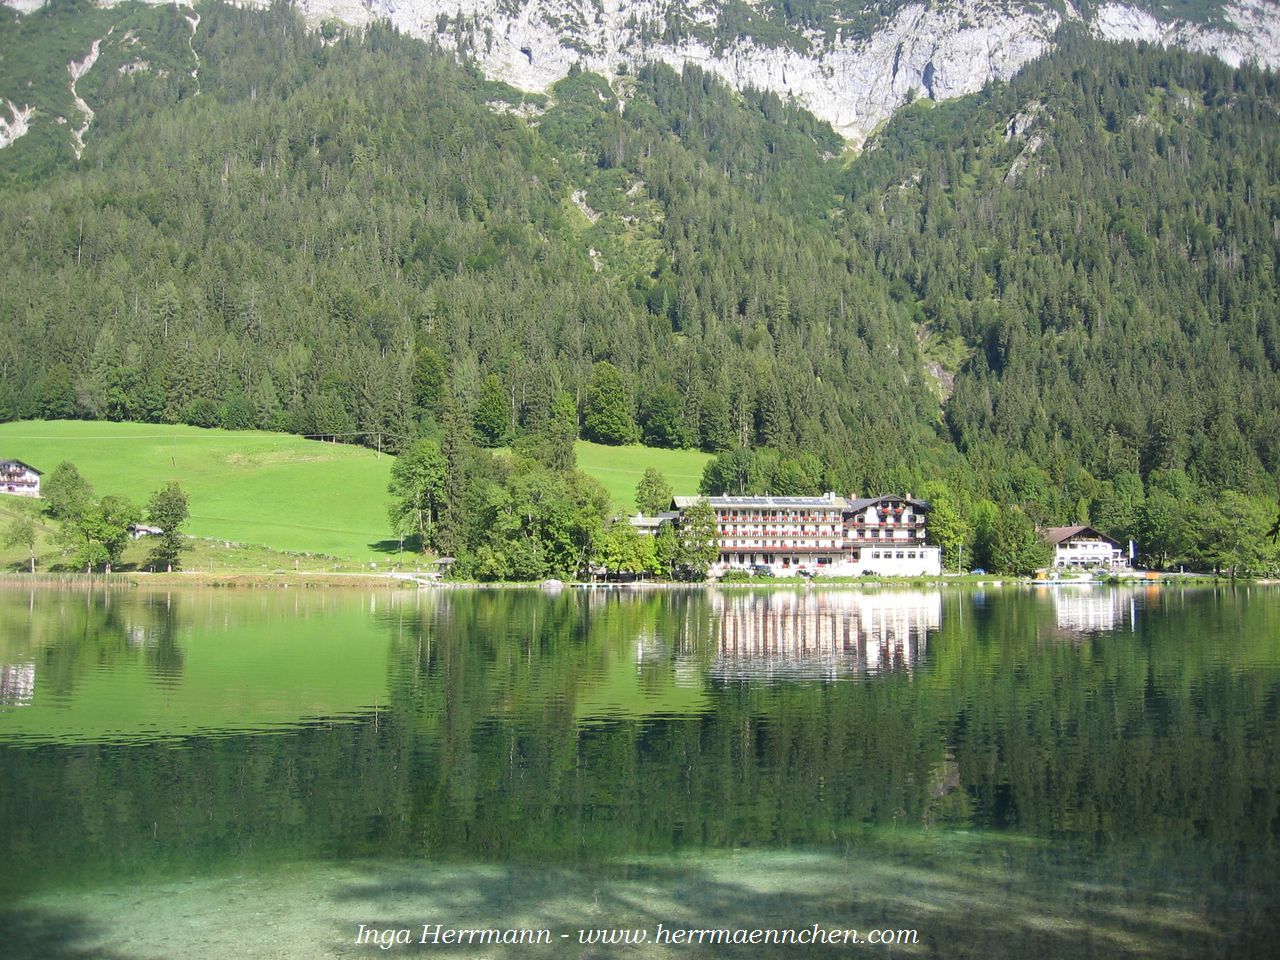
x=1064 y=772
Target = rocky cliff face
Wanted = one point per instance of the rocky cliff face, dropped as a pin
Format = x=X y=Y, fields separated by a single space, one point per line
x=853 y=71
x=852 y=75
x=1247 y=32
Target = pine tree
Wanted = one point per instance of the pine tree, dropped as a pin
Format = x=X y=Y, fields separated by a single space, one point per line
x=492 y=416
x=455 y=448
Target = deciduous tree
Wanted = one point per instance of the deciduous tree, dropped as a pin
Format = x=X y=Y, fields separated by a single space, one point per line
x=416 y=489
x=168 y=510
x=699 y=542
x=66 y=493
x=21 y=532
x=653 y=493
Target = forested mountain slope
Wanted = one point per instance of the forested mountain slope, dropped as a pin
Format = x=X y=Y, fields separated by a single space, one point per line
x=290 y=242
x=1066 y=282
x=1102 y=233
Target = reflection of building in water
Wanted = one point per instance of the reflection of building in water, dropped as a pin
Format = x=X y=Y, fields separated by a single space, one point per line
x=1089 y=609
x=822 y=633
x=17 y=684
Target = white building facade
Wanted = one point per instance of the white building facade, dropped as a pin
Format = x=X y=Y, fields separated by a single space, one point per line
x=1084 y=548
x=19 y=479
x=783 y=535
x=822 y=536
x=887 y=535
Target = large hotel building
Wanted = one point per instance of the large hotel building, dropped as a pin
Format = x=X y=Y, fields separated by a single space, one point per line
x=826 y=535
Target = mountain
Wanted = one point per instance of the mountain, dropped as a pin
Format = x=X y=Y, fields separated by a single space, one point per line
x=849 y=62
x=1061 y=291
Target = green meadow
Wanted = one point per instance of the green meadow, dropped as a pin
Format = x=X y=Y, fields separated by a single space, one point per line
x=279 y=490
x=620 y=469
x=244 y=486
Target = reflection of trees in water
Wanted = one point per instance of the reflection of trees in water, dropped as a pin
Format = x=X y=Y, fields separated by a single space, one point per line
x=76 y=638
x=479 y=755
x=524 y=654
x=102 y=630
x=158 y=624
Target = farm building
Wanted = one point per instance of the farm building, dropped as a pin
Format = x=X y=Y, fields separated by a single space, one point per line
x=19 y=479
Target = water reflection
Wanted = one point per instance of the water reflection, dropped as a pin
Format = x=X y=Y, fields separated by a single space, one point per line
x=17 y=684
x=821 y=634
x=485 y=729
x=1087 y=609
x=138 y=665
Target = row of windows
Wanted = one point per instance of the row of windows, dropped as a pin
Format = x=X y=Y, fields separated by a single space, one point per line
x=769 y=532
x=830 y=517
x=745 y=558
x=873 y=554
x=786 y=528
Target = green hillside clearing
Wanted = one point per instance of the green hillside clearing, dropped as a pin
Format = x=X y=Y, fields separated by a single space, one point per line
x=620 y=468
x=275 y=489
x=245 y=486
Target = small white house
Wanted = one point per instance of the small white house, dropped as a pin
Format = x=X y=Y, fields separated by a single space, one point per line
x=1082 y=547
x=19 y=479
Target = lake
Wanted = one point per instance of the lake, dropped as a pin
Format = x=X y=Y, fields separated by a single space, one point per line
x=1001 y=772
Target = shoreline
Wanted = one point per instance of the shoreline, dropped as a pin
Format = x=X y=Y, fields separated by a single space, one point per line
x=335 y=580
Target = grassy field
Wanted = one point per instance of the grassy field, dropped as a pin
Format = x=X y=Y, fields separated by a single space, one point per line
x=245 y=486
x=288 y=495
x=620 y=469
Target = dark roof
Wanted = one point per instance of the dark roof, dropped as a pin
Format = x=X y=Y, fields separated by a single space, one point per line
x=656 y=520
x=861 y=503
x=1057 y=535
x=19 y=463
x=784 y=503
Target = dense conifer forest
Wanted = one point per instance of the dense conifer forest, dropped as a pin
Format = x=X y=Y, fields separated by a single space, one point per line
x=1060 y=293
